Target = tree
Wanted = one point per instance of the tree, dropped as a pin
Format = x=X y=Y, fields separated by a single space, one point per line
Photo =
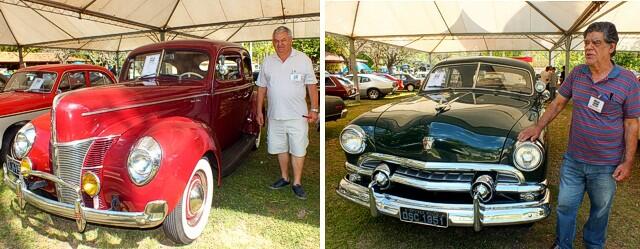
x=311 y=47
x=393 y=55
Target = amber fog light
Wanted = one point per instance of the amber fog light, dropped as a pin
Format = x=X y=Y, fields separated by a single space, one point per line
x=90 y=184
x=25 y=166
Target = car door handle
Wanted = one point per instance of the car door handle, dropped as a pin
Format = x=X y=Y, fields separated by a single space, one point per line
x=195 y=100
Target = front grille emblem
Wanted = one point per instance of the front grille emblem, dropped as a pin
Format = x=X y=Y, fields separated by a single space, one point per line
x=427 y=143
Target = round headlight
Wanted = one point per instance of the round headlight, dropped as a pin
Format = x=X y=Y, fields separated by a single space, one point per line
x=144 y=160
x=24 y=140
x=90 y=184
x=352 y=139
x=527 y=156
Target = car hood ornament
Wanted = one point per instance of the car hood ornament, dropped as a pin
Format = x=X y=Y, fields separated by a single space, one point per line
x=427 y=143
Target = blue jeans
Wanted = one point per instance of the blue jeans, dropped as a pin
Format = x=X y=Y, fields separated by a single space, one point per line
x=576 y=178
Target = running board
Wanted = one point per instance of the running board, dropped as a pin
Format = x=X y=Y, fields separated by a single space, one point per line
x=233 y=156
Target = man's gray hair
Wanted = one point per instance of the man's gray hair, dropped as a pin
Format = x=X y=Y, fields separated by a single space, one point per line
x=282 y=29
x=608 y=29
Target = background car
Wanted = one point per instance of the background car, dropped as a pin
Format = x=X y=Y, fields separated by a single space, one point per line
x=399 y=84
x=450 y=155
x=335 y=85
x=3 y=81
x=334 y=108
x=145 y=152
x=410 y=83
x=30 y=92
x=373 y=86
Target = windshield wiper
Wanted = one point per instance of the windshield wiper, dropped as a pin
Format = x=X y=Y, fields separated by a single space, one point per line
x=441 y=107
x=147 y=76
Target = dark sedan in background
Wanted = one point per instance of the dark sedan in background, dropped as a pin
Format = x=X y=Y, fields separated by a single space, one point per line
x=334 y=108
x=409 y=81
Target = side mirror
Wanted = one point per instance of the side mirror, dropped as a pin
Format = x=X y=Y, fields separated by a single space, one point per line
x=540 y=87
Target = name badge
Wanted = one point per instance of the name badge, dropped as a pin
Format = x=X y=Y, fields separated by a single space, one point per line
x=595 y=104
x=296 y=77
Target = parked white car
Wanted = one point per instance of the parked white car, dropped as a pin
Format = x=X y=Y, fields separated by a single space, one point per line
x=374 y=87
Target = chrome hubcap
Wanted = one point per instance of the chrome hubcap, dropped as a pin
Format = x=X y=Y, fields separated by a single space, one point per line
x=196 y=197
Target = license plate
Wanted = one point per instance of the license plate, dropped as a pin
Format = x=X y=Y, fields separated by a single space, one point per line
x=13 y=167
x=431 y=218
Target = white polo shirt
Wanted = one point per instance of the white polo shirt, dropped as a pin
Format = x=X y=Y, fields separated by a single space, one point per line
x=286 y=84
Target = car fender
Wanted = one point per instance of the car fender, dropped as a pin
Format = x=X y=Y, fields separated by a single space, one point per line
x=183 y=141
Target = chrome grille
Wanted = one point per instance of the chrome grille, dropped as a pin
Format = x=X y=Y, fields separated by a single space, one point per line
x=437 y=176
x=67 y=164
x=95 y=157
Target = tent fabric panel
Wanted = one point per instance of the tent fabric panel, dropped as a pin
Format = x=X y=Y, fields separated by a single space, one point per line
x=339 y=17
x=493 y=17
x=80 y=28
x=29 y=27
x=562 y=13
x=407 y=18
x=154 y=13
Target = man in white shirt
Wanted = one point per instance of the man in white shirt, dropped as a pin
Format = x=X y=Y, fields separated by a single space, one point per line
x=283 y=79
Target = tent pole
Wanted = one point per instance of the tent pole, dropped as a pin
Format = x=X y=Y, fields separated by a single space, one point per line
x=162 y=38
x=550 y=52
x=353 y=67
x=430 y=63
x=20 y=58
x=117 y=63
x=567 y=45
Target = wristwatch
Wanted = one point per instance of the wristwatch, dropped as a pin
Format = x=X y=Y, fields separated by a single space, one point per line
x=315 y=110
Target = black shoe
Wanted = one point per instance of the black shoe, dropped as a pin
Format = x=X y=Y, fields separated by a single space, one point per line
x=554 y=246
x=279 y=184
x=297 y=189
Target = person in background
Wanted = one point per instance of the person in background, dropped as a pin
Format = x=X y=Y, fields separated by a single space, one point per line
x=562 y=74
x=544 y=75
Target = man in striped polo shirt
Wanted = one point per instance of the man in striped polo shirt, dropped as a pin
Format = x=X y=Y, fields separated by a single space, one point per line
x=603 y=136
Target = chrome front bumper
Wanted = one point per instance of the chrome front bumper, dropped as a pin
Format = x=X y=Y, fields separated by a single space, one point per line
x=153 y=215
x=463 y=215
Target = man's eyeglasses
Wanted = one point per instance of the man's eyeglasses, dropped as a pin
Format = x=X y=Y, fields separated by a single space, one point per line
x=596 y=43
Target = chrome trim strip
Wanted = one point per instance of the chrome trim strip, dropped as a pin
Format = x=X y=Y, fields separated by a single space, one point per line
x=72 y=143
x=440 y=166
x=233 y=89
x=459 y=214
x=449 y=186
x=141 y=105
x=152 y=216
x=25 y=112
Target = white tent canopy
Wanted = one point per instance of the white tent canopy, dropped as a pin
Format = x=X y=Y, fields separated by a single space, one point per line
x=455 y=26
x=121 y=25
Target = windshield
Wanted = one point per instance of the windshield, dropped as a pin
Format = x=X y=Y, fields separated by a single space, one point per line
x=344 y=81
x=31 y=82
x=176 y=67
x=488 y=76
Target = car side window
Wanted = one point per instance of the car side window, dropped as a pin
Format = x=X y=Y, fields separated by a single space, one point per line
x=72 y=81
x=328 y=82
x=246 y=65
x=364 y=79
x=228 y=67
x=99 y=79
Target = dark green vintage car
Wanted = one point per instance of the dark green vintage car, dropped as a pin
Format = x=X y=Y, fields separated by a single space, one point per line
x=450 y=156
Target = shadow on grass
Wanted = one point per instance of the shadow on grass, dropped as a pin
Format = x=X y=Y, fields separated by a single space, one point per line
x=245 y=213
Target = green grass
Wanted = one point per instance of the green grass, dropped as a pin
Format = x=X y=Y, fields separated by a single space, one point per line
x=245 y=214
x=349 y=225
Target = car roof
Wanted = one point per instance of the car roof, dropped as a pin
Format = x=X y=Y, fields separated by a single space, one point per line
x=58 y=67
x=196 y=43
x=489 y=59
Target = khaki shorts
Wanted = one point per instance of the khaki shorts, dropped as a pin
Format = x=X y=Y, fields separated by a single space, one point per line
x=288 y=136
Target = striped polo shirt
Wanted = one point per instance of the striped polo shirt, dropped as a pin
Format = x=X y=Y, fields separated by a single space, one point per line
x=598 y=138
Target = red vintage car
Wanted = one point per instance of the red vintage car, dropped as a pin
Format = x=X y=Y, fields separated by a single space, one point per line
x=145 y=152
x=388 y=76
x=339 y=86
x=30 y=91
